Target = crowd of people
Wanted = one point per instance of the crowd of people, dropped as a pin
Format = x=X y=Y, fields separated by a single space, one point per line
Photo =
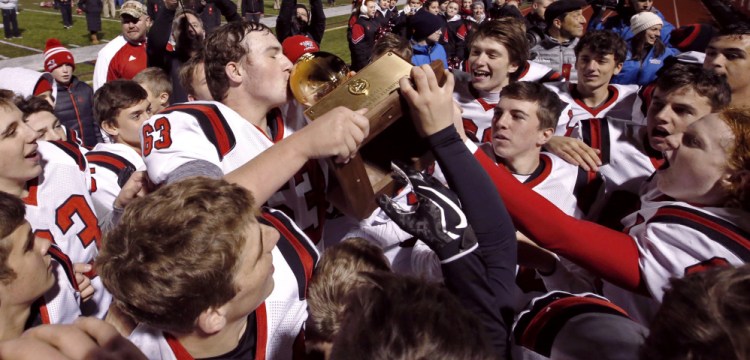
x=589 y=197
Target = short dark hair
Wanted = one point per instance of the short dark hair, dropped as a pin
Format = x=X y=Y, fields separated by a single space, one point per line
x=705 y=315
x=225 y=45
x=33 y=105
x=114 y=96
x=603 y=43
x=407 y=318
x=508 y=32
x=549 y=105
x=735 y=28
x=12 y=215
x=706 y=83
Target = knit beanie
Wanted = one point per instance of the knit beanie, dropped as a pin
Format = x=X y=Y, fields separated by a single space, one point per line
x=693 y=37
x=295 y=46
x=643 y=21
x=55 y=55
x=424 y=24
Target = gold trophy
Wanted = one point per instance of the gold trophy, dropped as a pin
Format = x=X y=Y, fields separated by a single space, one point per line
x=320 y=80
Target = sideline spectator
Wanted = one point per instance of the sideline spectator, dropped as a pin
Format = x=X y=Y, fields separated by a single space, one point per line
x=424 y=40
x=125 y=55
x=93 y=10
x=535 y=18
x=647 y=52
x=295 y=19
x=385 y=16
x=252 y=10
x=565 y=25
x=500 y=9
x=362 y=35
x=10 y=18
x=66 y=9
x=75 y=98
x=154 y=7
x=478 y=12
x=108 y=9
x=620 y=23
x=176 y=36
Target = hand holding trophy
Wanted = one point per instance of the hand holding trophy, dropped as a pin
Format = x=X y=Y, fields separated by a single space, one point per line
x=321 y=81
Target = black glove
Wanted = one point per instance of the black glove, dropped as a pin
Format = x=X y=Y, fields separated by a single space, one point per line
x=436 y=219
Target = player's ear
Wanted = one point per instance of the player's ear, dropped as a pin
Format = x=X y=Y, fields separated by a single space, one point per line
x=110 y=128
x=212 y=320
x=234 y=72
x=545 y=135
x=164 y=99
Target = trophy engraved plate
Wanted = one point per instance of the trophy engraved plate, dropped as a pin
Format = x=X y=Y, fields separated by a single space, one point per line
x=392 y=135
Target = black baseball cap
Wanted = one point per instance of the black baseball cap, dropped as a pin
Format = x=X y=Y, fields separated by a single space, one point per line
x=560 y=8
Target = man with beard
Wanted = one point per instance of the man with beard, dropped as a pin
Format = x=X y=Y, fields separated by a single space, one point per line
x=187 y=32
x=125 y=55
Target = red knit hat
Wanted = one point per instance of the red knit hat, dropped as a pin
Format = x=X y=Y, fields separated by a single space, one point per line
x=55 y=55
x=298 y=45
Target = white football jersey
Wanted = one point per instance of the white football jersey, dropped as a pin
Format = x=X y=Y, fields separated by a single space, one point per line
x=675 y=239
x=110 y=166
x=535 y=72
x=622 y=103
x=59 y=208
x=615 y=129
x=210 y=131
x=478 y=108
x=279 y=320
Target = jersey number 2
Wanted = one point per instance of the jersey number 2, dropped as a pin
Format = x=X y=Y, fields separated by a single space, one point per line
x=77 y=205
x=165 y=138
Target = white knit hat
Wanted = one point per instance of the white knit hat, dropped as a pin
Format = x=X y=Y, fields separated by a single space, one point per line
x=643 y=21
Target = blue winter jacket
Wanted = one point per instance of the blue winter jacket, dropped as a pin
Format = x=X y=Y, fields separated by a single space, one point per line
x=620 y=25
x=425 y=54
x=642 y=72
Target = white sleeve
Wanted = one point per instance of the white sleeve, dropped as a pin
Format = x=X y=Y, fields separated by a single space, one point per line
x=174 y=140
x=669 y=249
x=100 y=70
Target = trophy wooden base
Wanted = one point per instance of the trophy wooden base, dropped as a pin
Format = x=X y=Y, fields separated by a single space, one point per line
x=392 y=135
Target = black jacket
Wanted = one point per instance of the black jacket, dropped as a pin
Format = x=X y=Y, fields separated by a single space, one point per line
x=362 y=40
x=74 y=107
x=287 y=24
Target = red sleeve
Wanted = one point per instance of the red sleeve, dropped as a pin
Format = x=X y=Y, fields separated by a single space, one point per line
x=607 y=253
x=358 y=33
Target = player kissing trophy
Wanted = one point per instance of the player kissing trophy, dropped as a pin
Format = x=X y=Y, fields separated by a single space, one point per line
x=321 y=81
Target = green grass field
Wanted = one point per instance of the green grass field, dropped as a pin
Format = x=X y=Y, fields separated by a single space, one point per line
x=37 y=24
